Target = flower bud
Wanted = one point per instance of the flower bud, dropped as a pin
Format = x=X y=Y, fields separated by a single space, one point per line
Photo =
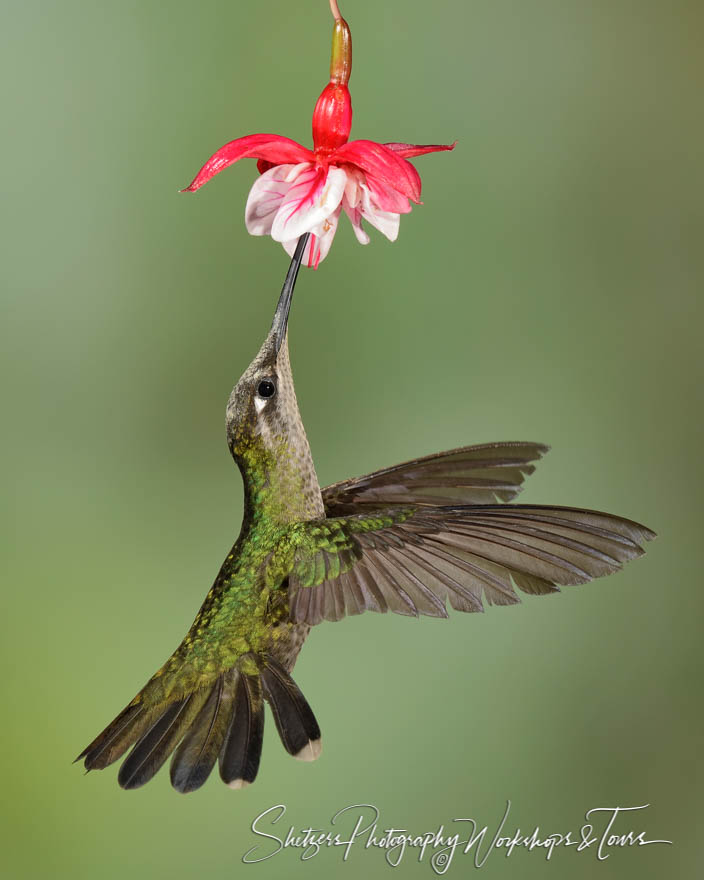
x=341 y=58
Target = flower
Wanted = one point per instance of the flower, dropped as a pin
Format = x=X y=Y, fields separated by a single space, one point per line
x=302 y=190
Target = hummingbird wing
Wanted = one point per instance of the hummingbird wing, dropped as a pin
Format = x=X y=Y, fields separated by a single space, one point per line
x=470 y=475
x=414 y=559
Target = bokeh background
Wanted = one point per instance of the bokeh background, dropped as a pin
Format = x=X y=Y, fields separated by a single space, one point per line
x=549 y=289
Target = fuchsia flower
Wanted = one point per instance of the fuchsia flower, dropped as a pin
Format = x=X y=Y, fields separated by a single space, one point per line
x=302 y=190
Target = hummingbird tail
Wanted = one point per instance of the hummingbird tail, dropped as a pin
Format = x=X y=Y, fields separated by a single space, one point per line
x=230 y=727
x=222 y=722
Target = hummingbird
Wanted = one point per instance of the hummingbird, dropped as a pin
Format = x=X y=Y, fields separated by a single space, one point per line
x=410 y=539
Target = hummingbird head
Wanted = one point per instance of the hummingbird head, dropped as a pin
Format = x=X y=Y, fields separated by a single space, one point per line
x=264 y=428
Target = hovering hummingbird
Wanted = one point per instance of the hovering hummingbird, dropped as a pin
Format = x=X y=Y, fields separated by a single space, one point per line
x=407 y=539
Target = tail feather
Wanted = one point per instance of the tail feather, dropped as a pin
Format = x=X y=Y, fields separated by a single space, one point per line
x=194 y=759
x=293 y=716
x=224 y=721
x=153 y=749
x=242 y=749
x=117 y=737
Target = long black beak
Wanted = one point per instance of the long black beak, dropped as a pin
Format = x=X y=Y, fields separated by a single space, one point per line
x=280 y=322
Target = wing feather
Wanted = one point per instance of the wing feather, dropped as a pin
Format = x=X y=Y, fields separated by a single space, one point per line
x=480 y=474
x=414 y=561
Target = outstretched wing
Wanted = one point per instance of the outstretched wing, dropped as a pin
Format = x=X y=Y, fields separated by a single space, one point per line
x=471 y=475
x=414 y=559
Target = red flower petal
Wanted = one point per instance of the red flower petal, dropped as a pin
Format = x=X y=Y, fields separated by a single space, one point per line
x=380 y=161
x=268 y=147
x=408 y=151
x=386 y=197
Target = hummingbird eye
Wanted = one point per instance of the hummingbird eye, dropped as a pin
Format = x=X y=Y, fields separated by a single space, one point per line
x=266 y=389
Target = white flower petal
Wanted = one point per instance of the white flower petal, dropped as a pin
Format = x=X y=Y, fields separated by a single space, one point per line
x=353 y=194
x=326 y=234
x=319 y=242
x=355 y=215
x=385 y=221
x=313 y=196
x=265 y=198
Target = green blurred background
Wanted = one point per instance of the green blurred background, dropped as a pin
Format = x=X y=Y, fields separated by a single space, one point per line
x=549 y=289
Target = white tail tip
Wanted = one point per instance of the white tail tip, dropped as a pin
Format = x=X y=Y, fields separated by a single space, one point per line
x=238 y=783
x=310 y=751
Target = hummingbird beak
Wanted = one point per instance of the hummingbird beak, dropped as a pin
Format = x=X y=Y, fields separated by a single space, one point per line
x=280 y=322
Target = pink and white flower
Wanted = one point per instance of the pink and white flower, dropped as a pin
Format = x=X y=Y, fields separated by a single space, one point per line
x=302 y=190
